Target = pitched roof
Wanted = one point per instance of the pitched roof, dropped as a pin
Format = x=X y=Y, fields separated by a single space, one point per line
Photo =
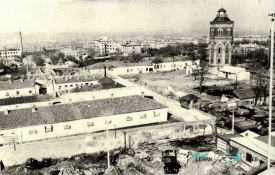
x=222 y=10
x=244 y=93
x=189 y=97
x=67 y=112
x=16 y=84
x=265 y=139
x=113 y=170
x=106 y=80
x=227 y=137
x=131 y=44
x=74 y=79
x=231 y=69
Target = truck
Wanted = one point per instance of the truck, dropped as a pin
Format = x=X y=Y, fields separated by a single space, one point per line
x=171 y=164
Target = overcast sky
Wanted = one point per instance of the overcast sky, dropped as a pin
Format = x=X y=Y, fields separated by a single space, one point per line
x=32 y=16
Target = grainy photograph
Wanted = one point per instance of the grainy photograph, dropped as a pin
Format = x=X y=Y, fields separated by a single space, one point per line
x=137 y=87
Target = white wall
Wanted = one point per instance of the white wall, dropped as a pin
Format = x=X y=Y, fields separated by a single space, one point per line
x=131 y=70
x=240 y=76
x=80 y=126
x=22 y=92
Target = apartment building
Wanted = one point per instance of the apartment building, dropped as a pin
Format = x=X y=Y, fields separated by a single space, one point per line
x=105 y=45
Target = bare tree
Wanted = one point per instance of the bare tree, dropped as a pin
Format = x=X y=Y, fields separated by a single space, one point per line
x=259 y=85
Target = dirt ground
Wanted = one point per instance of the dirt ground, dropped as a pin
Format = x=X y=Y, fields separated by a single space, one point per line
x=178 y=81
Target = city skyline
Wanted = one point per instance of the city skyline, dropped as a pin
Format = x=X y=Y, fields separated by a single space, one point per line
x=192 y=17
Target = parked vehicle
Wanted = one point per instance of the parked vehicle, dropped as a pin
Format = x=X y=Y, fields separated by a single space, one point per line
x=171 y=165
x=143 y=155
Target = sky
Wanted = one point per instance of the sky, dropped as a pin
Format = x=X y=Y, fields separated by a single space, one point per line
x=55 y=16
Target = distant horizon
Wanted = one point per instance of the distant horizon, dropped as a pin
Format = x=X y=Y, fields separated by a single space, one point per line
x=135 y=16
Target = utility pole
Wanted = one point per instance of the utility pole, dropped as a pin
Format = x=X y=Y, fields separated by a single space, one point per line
x=108 y=153
x=270 y=89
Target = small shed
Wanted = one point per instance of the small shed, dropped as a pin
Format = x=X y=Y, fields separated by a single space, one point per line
x=188 y=101
x=223 y=141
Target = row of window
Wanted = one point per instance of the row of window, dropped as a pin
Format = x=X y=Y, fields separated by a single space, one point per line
x=76 y=85
x=90 y=124
x=3 y=53
x=220 y=31
x=17 y=93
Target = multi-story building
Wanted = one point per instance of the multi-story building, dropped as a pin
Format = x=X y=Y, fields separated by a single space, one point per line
x=105 y=45
x=131 y=48
x=221 y=39
x=10 y=53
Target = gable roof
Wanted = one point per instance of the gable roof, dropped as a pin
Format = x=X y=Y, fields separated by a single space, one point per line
x=189 y=97
x=227 y=137
x=231 y=69
x=74 y=79
x=16 y=84
x=106 y=80
x=113 y=170
x=67 y=112
x=244 y=93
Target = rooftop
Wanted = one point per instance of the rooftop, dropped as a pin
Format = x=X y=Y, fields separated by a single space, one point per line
x=231 y=69
x=265 y=139
x=244 y=93
x=117 y=64
x=227 y=137
x=81 y=110
x=255 y=145
x=16 y=84
x=131 y=44
x=76 y=79
x=189 y=97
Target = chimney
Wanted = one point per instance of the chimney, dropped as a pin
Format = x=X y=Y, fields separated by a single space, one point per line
x=34 y=109
x=22 y=80
x=6 y=112
x=66 y=78
x=105 y=71
x=112 y=96
x=70 y=77
x=142 y=94
x=10 y=81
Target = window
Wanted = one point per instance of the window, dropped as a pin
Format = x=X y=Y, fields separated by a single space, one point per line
x=66 y=86
x=129 y=119
x=87 y=83
x=212 y=31
x=17 y=92
x=219 y=50
x=71 y=85
x=248 y=157
x=220 y=31
x=33 y=132
x=228 y=31
x=49 y=129
x=143 y=116
x=156 y=114
x=146 y=69
x=108 y=121
x=189 y=128
x=30 y=92
x=133 y=47
x=219 y=60
x=261 y=162
x=226 y=61
x=127 y=70
x=89 y=124
x=76 y=85
x=67 y=127
x=59 y=87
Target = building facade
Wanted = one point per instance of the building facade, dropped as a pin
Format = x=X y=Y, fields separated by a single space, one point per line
x=10 y=53
x=105 y=45
x=221 y=39
x=131 y=48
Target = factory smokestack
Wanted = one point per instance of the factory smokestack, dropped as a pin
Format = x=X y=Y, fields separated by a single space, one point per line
x=104 y=71
x=21 y=42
